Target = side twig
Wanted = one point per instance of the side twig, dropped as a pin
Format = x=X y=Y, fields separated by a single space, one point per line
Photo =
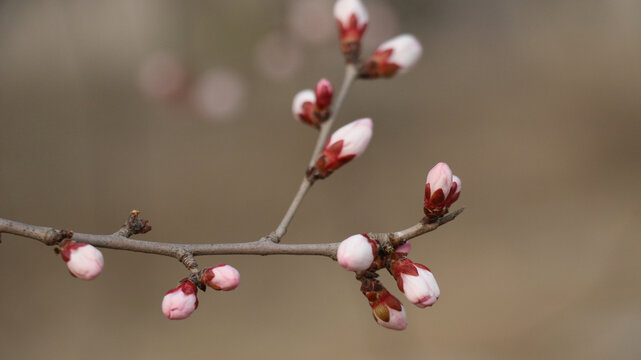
x=350 y=75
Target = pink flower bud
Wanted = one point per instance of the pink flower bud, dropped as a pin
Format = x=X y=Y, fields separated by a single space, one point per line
x=352 y=19
x=324 y=92
x=404 y=249
x=83 y=260
x=356 y=253
x=437 y=188
x=345 y=144
x=395 y=55
x=221 y=277
x=416 y=282
x=455 y=191
x=389 y=312
x=303 y=106
x=180 y=302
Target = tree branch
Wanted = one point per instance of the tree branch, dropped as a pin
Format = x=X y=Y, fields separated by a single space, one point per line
x=350 y=75
x=185 y=252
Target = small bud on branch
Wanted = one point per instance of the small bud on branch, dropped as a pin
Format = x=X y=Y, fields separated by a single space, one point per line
x=83 y=260
x=352 y=18
x=179 y=303
x=396 y=55
x=345 y=144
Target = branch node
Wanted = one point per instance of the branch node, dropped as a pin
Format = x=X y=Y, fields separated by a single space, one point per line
x=54 y=236
x=134 y=225
x=273 y=237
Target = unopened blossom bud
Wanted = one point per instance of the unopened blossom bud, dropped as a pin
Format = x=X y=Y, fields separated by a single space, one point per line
x=455 y=191
x=404 y=249
x=356 y=253
x=221 y=277
x=437 y=188
x=180 y=302
x=352 y=19
x=345 y=144
x=389 y=312
x=395 y=55
x=416 y=281
x=83 y=260
x=324 y=92
x=303 y=106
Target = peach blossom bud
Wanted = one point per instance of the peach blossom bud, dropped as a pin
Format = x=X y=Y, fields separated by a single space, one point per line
x=345 y=144
x=83 y=260
x=416 y=281
x=180 y=302
x=404 y=249
x=221 y=277
x=437 y=189
x=389 y=312
x=455 y=191
x=395 y=55
x=356 y=253
x=352 y=19
x=303 y=106
x=324 y=92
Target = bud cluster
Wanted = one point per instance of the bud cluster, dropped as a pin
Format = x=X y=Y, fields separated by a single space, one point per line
x=313 y=107
x=396 y=55
x=365 y=255
x=179 y=303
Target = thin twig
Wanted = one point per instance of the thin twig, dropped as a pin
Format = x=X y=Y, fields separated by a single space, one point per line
x=350 y=75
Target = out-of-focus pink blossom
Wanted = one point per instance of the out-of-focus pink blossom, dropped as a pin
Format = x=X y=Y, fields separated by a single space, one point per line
x=356 y=253
x=310 y=21
x=83 y=260
x=163 y=77
x=180 y=302
x=221 y=277
x=219 y=94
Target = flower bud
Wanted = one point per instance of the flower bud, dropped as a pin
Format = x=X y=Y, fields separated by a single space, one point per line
x=303 y=106
x=83 y=260
x=352 y=19
x=324 y=92
x=404 y=249
x=356 y=253
x=221 y=277
x=455 y=191
x=389 y=312
x=437 y=188
x=416 y=282
x=395 y=55
x=344 y=145
x=180 y=302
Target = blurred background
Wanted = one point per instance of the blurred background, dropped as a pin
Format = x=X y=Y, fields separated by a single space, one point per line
x=182 y=109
